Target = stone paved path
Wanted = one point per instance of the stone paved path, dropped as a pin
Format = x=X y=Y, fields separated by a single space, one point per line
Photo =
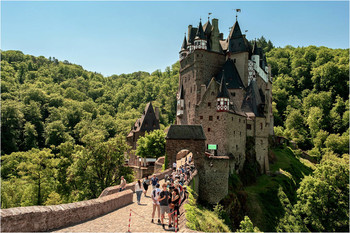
x=118 y=220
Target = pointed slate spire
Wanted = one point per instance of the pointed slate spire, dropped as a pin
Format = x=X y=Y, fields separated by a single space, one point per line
x=223 y=92
x=255 y=49
x=184 y=44
x=200 y=32
x=235 y=31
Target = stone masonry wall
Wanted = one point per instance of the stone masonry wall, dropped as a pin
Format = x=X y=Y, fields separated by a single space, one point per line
x=45 y=218
x=213 y=179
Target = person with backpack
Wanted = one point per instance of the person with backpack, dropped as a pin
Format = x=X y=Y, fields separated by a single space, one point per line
x=155 y=201
x=163 y=201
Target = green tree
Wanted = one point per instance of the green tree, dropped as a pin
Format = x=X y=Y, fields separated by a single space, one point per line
x=246 y=225
x=323 y=198
x=151 y=145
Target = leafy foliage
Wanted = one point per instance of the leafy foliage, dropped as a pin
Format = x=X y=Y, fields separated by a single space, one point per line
x=201 y=219
x=310 y=92
x=77 y=121
x=152 y=145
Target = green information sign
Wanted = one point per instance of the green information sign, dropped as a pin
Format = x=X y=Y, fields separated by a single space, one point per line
x=212 y=147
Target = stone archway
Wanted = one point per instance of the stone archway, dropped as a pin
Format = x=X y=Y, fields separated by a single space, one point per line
x=190 y=137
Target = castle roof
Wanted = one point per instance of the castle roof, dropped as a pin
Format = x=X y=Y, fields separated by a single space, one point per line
x=253 y=100
x=223 y=93
x=236 y=41
x=207 y=28
x=147 y=122
x=233 y=79
x=184 y=44
x=194 y=132
x=200 y=32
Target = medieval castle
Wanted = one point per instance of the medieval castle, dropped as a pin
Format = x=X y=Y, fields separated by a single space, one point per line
x=224 y=109
x=225 y=85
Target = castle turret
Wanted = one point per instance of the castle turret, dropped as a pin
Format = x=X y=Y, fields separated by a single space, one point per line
x=184 y=51
x=223 y=98
x=200 y=41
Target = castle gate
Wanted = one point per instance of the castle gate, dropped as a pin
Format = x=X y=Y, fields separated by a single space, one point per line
x=189 y=137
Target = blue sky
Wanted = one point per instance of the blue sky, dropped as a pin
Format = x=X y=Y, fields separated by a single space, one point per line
x=116 y=37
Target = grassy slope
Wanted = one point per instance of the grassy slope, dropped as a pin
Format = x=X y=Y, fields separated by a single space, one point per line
x=265 y=208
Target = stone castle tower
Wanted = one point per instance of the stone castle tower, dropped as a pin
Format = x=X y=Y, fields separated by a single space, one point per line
x=225 y=85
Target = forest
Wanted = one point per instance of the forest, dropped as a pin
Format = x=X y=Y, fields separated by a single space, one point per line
x=63 y=128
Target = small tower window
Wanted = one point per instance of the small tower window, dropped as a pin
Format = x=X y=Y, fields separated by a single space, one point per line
x=261 y=126
x=233 y=93
x=209 y=104
x=217 y=117
x=210 y=118
x=236 y=147
x=208 y=129
x=201 y=117
x=249 y=126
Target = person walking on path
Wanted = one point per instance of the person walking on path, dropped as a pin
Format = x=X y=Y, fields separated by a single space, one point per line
x=163 y=201
x=155 y=201
x=146 y=183
x=138 y=190
x=175 y=203
x=174 y=165
x=122 y=184
x=154 y=181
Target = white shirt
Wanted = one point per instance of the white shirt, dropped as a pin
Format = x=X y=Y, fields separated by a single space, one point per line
x=137 y=187
x=156 y=197
x=174 y=165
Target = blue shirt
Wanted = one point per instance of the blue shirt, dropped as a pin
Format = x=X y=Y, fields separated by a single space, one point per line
x=154 y=181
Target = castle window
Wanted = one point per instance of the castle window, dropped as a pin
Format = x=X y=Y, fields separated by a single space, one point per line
x=218 y=102
x=261 y=126
x=209 y=104
x=262 y=142
x=234 y=132
x=189 y=104
x=210 y=118
x=225 y=102
x=212 y=93
x=239 y=120
x=236 y=147
x=233 y=93
x=191 y=89
x=208 y=129
x=201 y=117
x=217 y=117
x=240 y=133
x=249 y=126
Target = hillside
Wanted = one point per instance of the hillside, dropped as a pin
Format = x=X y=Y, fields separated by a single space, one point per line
x=63 y=134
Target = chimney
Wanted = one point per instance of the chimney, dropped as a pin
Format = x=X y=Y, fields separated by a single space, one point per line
x=189 y=33
x=156 y=111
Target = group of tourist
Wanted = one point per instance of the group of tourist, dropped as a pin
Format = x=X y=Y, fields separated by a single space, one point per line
x=166 y=197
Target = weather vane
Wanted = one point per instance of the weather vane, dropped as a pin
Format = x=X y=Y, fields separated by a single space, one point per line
x=237 y=10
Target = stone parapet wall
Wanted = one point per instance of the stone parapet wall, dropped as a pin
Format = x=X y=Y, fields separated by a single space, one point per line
x=45 y=218
x=131 y=186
